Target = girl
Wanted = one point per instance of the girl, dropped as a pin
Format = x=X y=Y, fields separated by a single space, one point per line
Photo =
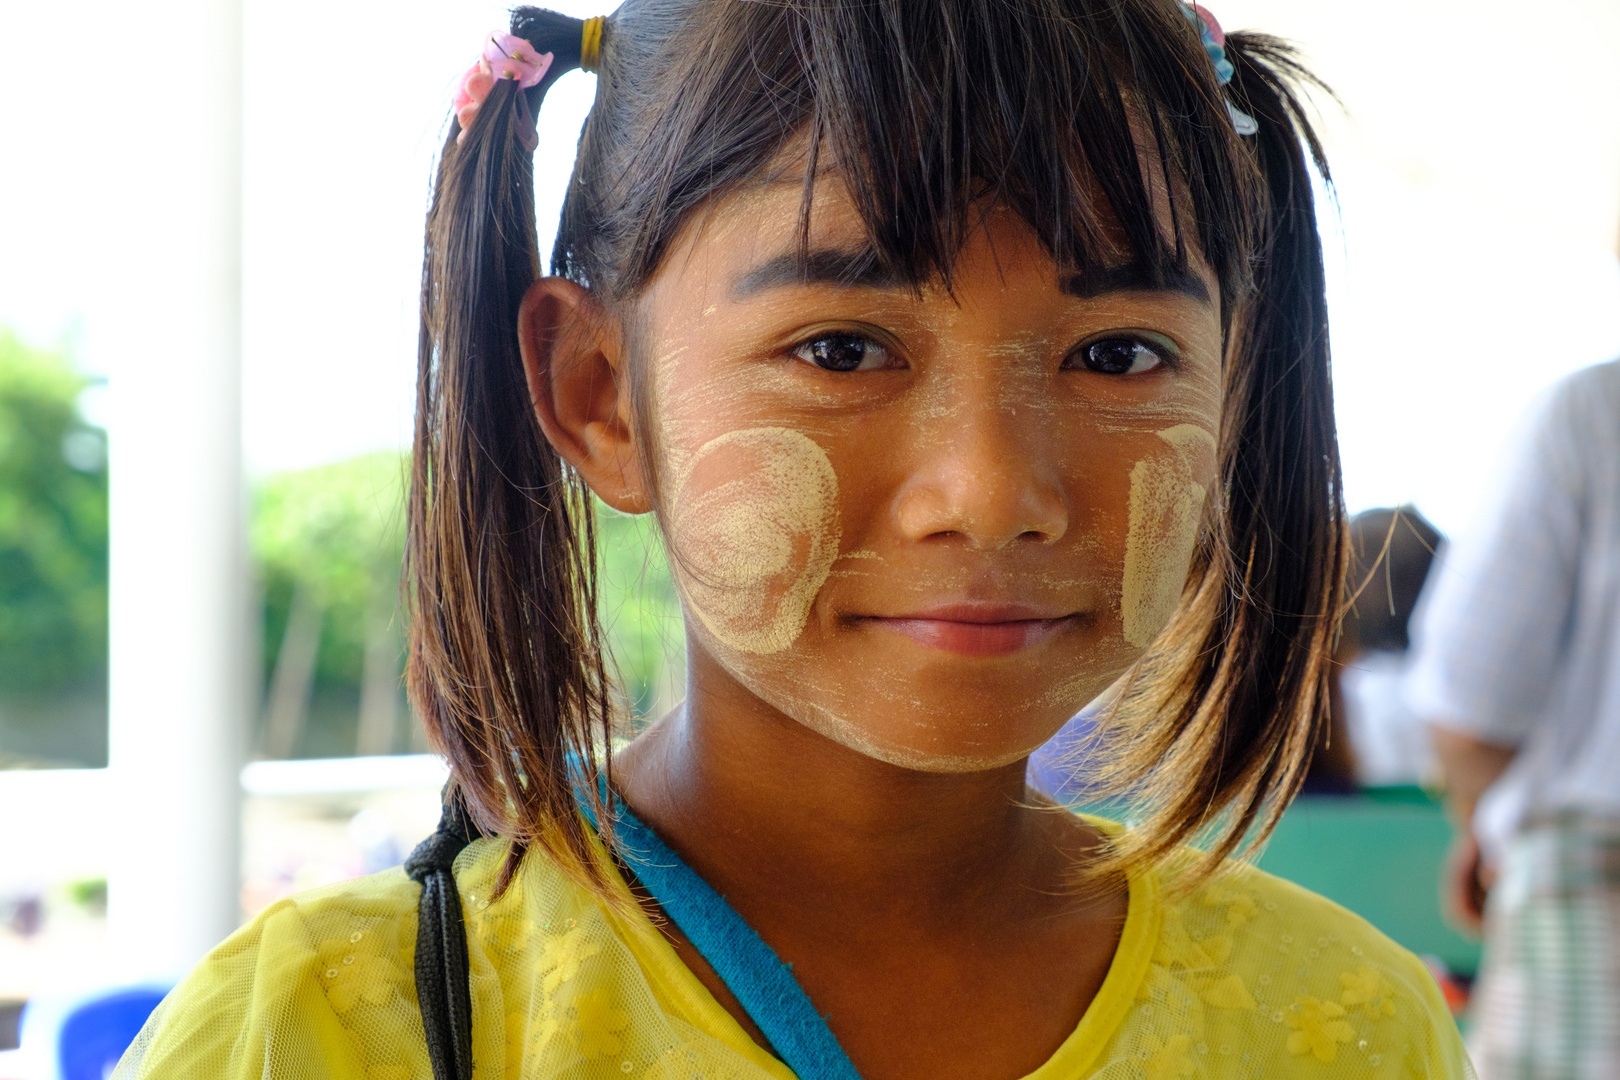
x=973 y=358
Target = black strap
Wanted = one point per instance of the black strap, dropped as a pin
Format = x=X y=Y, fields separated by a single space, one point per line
x=441 y=944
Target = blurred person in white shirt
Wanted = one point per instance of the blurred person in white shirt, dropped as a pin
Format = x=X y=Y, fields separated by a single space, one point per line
x=1517 y=669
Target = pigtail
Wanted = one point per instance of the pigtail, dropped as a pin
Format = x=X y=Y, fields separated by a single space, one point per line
x=1230 y=703
x=506 y=663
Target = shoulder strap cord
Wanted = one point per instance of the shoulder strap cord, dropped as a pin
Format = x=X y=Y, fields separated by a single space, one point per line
x=441 y=944
x=763 y=985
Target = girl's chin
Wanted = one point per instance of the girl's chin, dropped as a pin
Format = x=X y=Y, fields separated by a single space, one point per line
x=926 y=709
x=928 y=759
x=933 y=740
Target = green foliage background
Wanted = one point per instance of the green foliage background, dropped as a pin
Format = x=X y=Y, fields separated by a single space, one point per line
x=640 y=611
x=335 y=531
x=338 y=530
x=53 y=526
x=53 y=564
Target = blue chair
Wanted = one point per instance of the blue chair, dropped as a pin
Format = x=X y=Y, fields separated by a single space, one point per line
x=82 y=1037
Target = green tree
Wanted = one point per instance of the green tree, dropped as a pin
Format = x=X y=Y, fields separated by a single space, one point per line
x=337 y=530
x=329 y=542
x=53 y=561
x=640 y=613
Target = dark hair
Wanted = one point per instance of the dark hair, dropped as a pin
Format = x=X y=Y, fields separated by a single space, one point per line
x=928 y=112
x=1391 y=550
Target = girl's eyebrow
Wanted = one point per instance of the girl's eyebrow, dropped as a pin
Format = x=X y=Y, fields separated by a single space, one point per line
x=857 y=269
x=1135 y=277
x=860 y=269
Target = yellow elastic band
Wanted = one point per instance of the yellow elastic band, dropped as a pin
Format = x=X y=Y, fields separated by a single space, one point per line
x=590 y=43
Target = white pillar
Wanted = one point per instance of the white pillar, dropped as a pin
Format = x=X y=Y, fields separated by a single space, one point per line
x=178 y=673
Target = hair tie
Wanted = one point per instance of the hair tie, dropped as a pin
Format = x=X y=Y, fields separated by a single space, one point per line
x=590 y=43
x=506 y=56
x=1214 y=39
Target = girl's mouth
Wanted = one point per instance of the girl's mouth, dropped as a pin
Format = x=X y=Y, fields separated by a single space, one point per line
x=976 y=629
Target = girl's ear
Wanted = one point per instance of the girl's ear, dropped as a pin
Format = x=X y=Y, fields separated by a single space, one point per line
x=575 y=363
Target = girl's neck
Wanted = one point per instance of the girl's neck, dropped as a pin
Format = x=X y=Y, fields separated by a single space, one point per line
x=929 y=916
x=766 y=809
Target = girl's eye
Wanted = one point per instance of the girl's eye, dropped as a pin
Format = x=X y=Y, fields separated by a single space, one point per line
x=1118 y=356
x=843 y=352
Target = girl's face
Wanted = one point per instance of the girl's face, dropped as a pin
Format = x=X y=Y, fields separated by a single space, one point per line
x=930 y=527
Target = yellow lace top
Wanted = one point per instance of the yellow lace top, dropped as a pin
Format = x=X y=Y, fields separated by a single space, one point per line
x=1249 y=976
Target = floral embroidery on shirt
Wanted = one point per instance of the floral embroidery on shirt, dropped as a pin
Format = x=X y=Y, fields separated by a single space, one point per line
x=1156 y=985
x=1366 y=987
x=505 y=931
x=1319 y=1028
x=1227 y=993
x=1177 y=947
x=563 y=956
x=351 y=972
x=1166 y=1059
x=1218 y=947
x=597 y=1023
x=1240 y=907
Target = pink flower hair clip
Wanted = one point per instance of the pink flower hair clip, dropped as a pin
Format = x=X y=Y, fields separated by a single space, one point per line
x=505 y=57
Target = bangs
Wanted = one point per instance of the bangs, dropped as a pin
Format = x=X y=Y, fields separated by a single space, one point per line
x=1078 y=115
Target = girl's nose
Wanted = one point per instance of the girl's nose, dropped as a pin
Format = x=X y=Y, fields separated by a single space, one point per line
x=987 y=482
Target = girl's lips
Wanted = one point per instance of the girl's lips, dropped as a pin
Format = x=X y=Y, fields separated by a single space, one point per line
x=976 y=631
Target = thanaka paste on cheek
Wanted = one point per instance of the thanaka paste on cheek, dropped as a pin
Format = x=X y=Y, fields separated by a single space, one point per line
x=755 y=531
x=1166 y=506
x=755 y=513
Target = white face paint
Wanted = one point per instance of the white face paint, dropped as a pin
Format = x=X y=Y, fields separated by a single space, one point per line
x=755 y=532
x=1166 y=507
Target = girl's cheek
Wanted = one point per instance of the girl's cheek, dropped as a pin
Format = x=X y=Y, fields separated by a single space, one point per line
x=1166 y=507
x=754 y=527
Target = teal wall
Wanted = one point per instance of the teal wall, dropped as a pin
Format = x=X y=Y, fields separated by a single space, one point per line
x=1379 y=854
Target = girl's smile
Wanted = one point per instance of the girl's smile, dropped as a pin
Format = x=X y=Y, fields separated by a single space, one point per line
x=975 y=629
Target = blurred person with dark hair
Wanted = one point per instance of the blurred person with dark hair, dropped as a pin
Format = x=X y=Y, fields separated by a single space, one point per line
x=1517 y=669
x=1373 y=738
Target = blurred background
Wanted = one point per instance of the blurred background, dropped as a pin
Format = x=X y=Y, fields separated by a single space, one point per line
x=1471 y=238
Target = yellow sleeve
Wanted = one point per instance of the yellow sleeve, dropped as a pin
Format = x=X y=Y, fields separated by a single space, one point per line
x=318 y=987
x=1345 y=991
x=1254 y=976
